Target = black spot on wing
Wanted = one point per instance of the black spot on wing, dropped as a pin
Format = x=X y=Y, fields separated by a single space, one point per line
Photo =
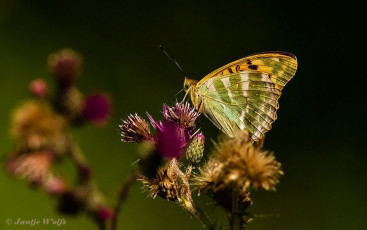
x=253 y=67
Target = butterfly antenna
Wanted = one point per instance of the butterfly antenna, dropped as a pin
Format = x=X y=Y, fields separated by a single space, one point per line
x=179 y=92
x=173 y=60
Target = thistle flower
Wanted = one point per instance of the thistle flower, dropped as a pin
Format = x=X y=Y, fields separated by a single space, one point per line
x=239 y=163
x=135 y=129
x=173 y=133
x=65 y=66
x=38 y=88
x=171 y=140
x=37 y=126
x=182 y=114
x=97 y=108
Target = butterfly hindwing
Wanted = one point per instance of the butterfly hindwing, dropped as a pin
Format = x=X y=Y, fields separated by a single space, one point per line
x=245 y=100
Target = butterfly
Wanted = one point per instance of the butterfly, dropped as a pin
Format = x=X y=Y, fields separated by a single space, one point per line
x=244 y=94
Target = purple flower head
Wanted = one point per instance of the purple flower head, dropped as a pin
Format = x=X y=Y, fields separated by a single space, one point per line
x=173 y=133
x=97 y=108
x=182 y=114
x=171 y=140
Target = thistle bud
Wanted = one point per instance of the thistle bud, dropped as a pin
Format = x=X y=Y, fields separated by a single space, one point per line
x=38 y=88
x=195 y=151
x=104 y=213
x=65 y=66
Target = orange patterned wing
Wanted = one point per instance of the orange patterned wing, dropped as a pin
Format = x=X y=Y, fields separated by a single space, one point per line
x=280 y=67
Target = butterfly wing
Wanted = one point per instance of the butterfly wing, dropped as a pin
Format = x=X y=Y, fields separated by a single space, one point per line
x=246 y=100
x=280 y=67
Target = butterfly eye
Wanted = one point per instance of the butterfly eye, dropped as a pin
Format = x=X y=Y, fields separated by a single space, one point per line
x=187 y=85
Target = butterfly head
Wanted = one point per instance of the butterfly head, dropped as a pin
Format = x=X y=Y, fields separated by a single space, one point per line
x=190 y=87
x=189 y=83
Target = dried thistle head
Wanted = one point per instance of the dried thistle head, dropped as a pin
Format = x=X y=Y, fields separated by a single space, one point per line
x=168 y=183
x=37 y=126
x=237 y=162
x=135 y=129
x=182 y=114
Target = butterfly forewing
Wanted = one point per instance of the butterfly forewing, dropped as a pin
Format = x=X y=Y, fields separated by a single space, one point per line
x=280 y=67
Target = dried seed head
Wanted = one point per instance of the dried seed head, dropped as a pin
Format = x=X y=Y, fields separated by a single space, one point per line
x=237 y=162
x=135 y=129
x=195 y=151
x=168 y=183
x=37 y=126
x=182 y=114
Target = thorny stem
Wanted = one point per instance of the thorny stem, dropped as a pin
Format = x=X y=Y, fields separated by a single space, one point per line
x=122 y=195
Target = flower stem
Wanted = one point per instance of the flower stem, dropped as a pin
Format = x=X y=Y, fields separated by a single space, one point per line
x=122 y=197
x=203 y=218
x=235 y=218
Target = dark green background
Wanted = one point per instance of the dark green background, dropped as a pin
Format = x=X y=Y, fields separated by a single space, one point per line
x=318 y=135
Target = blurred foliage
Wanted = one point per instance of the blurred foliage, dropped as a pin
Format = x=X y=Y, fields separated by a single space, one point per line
x=318 y=135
